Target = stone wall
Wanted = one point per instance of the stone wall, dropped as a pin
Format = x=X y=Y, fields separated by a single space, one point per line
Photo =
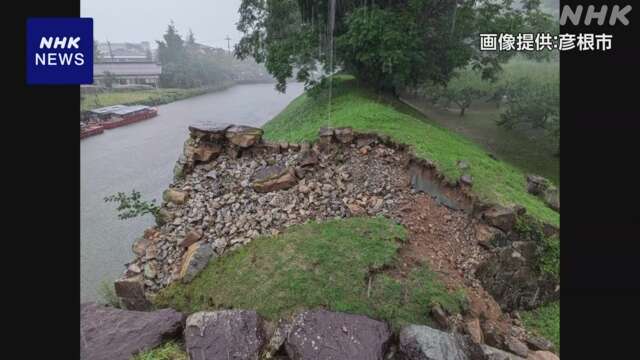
x=230 y=186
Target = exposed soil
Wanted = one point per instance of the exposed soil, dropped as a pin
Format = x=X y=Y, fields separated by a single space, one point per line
x=445 y=239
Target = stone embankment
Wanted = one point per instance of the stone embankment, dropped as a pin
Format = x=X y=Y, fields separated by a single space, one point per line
x=231 y=186
x=114 y=334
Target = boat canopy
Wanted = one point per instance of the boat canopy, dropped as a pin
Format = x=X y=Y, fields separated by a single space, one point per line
x=107 y=109
x=118 y=109
x=130 y=109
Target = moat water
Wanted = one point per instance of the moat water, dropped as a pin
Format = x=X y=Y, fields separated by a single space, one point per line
x=141 y=156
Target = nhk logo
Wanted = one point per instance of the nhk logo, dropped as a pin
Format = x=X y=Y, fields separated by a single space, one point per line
x=53 y=58
x=59 y=51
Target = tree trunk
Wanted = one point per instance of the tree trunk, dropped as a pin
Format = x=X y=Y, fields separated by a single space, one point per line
x=462 y=109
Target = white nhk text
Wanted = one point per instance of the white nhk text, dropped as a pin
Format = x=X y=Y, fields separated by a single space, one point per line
x=59 y=58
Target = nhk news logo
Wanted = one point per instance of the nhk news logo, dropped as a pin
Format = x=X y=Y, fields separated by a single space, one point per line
x=59 y=51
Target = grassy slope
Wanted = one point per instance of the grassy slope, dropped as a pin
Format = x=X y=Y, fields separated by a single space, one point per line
x=361 y=109
x=545 y=321
x=531 y=154
x=316 y=265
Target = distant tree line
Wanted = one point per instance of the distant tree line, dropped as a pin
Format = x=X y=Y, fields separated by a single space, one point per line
x=186 y=64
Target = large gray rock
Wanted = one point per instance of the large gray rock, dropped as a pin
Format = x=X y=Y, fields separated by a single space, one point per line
x=224 y=335
x=491 y=353
x=539 y=343
x=130 y=292
x=321 y=334
x=536 y=185
x=551 y=197
x=542 y=355
x=243 y=136
x=273 y=178
x=112 y=334
x=209 y=130
x=501 y=217
x=541 y=187
x=419 y=342
x=195 y=259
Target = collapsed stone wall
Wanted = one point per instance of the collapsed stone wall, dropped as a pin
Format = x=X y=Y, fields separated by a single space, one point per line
x=231 y=186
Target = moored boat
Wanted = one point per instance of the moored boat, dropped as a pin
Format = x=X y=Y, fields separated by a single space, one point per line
x=91 y=130
x=129 y=115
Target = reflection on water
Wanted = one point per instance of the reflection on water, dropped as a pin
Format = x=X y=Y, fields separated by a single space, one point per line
x=141 y=156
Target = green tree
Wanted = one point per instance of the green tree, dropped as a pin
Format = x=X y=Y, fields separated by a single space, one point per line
x=97 y=55
x=391 y=44
x=465 y=87
x=109 y=79
x=171 y=50
x=535 y=104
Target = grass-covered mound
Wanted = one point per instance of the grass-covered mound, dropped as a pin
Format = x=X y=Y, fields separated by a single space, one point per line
x=358 y=107
x=317 y=265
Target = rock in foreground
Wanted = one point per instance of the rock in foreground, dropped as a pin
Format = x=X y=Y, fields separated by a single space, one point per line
x=424 y=343
x=224 y=335
x=113 y=334
x=322 y=334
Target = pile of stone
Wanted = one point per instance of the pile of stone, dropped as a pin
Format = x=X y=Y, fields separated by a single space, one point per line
x=108 y=333
x=231 y=187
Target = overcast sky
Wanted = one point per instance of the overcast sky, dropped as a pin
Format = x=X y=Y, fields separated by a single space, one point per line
x=147 y=20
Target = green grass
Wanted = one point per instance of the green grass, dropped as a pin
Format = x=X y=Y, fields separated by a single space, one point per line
x=357 y=107
x=550 y=259
x=545 y=321
x=168 y=351
x=531 y=150
x=142 y=97
x=317 y=265
x=531 y=153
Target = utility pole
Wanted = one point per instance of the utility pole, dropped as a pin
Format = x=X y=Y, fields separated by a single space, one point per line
x=110 y=52
x=228 y=43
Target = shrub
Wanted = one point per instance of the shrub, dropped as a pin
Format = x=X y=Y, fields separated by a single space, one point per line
x=130 y=206
x=107 y=294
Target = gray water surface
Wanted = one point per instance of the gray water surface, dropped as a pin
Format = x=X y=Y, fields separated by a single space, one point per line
x=141 y=156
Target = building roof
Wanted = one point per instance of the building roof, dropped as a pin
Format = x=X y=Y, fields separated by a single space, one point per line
x=127 y=68
x=108 y=49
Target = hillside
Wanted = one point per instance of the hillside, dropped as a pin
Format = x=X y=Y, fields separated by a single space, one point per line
x=362 y=109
